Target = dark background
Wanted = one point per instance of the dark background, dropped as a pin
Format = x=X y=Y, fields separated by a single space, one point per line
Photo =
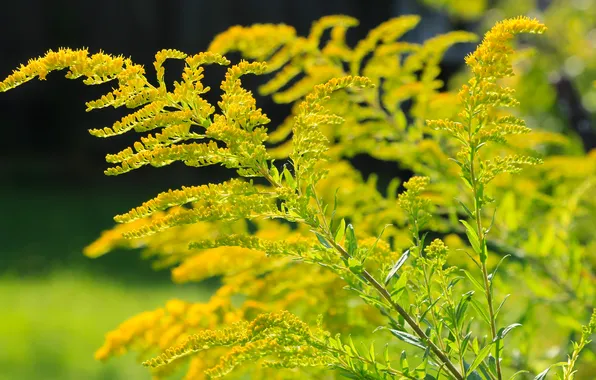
x=45 y=126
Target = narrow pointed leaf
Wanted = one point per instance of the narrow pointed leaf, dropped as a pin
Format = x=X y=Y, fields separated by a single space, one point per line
x=397 y=265
x=479 y=358
x=351 y=242
x=408 y=338
x=472 y=237
x=323 y=241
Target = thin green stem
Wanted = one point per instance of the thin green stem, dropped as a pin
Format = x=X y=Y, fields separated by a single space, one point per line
x=482 y=238
x=401 y=311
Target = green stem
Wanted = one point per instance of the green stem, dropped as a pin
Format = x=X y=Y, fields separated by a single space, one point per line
x=401 y=311
x=471 y=109
x=482 y=239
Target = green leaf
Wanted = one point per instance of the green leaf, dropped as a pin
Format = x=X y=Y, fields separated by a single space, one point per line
x=371 y=352
x=501 y=305
x=518 y=373
x=494 y=273
x=392 y=189
x=323 y=241
x=372 y=247
x=341 y=229
x=473 y=280
x=505 y=330
x=400 y=262
x=334 y=204
x=542 y=375
x=462 y=306
x=289 y=178
x=355 y=265
x=472 y=237
x=408 y=338
x=351 y=242
x=474 y=376
x=310 y=191
x=480 y=189
x=492 y=365
x=352 y=345
x=492 y=222
x=480 y=310
x=386 y=354
x=471 y=257
x=403 y=362
x=465 y=341
x=274 y=173
x=479 y=358
x=429 y=308
x=467 y=210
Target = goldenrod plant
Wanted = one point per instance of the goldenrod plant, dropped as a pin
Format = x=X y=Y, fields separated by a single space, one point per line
x=326 y=274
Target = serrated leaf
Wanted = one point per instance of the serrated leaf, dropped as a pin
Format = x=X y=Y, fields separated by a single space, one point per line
x=400 y=262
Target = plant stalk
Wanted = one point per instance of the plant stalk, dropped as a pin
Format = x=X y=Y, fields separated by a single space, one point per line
x=401 y=311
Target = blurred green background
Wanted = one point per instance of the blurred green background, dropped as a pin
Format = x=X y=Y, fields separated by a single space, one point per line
x=57 y=305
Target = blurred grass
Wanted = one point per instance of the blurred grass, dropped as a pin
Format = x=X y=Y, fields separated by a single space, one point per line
x=56 y=305
x=50 y=327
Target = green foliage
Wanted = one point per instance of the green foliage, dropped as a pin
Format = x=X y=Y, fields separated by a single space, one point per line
x=390 y=271
x=63 y=327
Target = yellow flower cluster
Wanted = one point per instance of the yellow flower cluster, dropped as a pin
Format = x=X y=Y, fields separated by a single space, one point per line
x=374 y=122
x=481 y=119
x=410 y=200
x=491 y=59
x=281 y=337
x=161 y=328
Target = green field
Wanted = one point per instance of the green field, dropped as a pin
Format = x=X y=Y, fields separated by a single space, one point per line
x=51 y=326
